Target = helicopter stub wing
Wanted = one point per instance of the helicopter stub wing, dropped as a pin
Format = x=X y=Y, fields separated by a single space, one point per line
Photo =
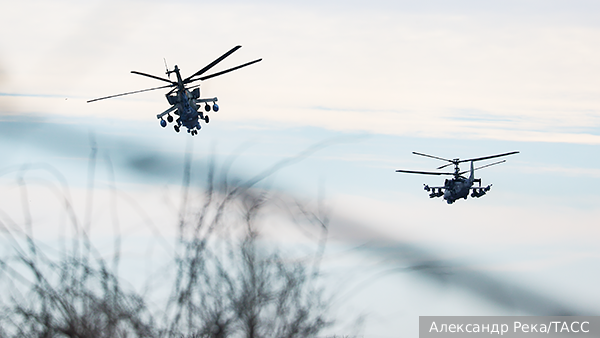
x=214 y=99
x=435 y=191
x=159 y=116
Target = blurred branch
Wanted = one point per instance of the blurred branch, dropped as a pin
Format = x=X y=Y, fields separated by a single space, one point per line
x=225 y=281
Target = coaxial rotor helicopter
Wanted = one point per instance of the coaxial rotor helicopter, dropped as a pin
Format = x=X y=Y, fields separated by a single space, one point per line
x=186 y=103
x=459 y=186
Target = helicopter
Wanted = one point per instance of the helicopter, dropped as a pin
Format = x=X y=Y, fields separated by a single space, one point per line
x=185 y=102
x=458 y=186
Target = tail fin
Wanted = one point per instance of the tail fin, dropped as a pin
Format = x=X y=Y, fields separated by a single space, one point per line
x=472 y=176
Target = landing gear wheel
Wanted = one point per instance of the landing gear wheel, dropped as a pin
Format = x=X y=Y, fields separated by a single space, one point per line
x=170 y=118
x=207 y=107
x=176 y=127
x=215 y=107
x=206 y=119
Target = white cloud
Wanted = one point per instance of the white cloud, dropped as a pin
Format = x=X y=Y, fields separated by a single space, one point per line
x=376 y=69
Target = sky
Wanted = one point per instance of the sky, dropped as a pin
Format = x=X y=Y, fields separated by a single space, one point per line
x=374 y=80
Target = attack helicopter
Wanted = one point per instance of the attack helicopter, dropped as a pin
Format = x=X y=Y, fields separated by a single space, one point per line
x=185 y=101
x=458 y=186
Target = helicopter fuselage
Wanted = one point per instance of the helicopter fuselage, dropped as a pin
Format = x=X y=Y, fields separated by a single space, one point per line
x=458 y=186
x=186 y=104
x=186 y=109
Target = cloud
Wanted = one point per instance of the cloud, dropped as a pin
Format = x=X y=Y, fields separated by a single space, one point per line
x=566 y=171
x=391 y=69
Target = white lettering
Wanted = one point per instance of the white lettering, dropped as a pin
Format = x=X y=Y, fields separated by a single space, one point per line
x=459 y=328
x=516 y=326
x=582 y=330
x=572 y=329
x=433 y=327
x=504 y=328
x=485 y=327
x=564 y=326
x=495 y=329
x=467 y=328
x=444 y=328
x=534 y=328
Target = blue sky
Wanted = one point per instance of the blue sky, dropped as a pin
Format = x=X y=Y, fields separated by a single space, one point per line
x=377 y=80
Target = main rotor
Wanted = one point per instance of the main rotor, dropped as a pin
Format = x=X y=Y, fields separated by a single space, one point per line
x=181 y=83
x=457 y=173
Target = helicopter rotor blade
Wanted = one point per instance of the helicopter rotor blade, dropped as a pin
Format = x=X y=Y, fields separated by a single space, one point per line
x=422 y=172
x=152 y=76
x=134 y=92
x=225 y=71
x=444 y=166
x=488 y=157
x=484 y=166
x=212 y=64
x=171 y=91
x=437 y=158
